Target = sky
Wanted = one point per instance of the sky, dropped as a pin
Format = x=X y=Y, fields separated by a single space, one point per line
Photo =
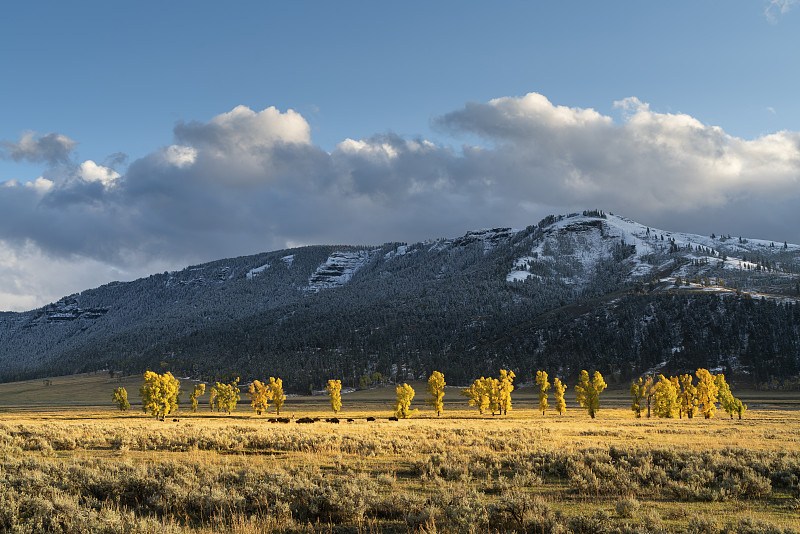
x=139 y=137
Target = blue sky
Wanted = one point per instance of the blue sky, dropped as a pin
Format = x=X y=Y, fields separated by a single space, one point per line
x=417 y=88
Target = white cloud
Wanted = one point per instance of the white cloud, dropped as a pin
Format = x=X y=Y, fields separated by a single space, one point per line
x=41 y=185
x=92 y=172
x=180 y=156
x=248 y=181
x=247 y=129
x=664 y=162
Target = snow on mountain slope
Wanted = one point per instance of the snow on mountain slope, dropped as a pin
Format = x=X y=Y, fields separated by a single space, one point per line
x=252 y=273
x=571 y=247
x=338 y=269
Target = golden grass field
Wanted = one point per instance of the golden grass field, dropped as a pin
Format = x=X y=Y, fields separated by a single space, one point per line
x=72 y=463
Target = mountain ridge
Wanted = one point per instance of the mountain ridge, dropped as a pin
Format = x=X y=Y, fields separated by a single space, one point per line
x=313 y=312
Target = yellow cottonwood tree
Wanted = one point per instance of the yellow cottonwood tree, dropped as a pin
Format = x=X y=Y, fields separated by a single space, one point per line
x=197 y=391
x=587 y=392
x=212 y=397
x=435 y=389
x=676 y=383
x=558 y=394
x=729 y=403
x=227 y=396
x=120 y=397
x=649 y=390
x=334 y=389
x=688 y=396
x=478 y=394
x=492 y=388
x=544 y=386
x=159 y=394
x=638 y=392
x=276 y=394
x=504 y=388
x=665 y=398
x=259 y=396
x=402 y=407
x=707 y=392
x=740 y=408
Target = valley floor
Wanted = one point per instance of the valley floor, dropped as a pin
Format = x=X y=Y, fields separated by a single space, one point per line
x=87 y=469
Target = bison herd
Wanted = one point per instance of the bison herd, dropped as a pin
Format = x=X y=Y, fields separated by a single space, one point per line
x=307 y=420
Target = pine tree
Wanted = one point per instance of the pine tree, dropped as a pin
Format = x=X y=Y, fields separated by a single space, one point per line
x=707 y=392
x=402 y=407
x=588 y=391
x=558 y=394
x=544 y=386
x=435 y=389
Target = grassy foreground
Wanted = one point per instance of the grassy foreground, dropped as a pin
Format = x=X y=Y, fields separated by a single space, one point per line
x=85 y=469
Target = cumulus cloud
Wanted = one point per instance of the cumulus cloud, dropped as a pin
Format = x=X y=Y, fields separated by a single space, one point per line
x=650 y=163
x=90 y=171
x=247 y=181
x=52 y=148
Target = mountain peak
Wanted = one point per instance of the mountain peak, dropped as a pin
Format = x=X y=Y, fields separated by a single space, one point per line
x=489 y=296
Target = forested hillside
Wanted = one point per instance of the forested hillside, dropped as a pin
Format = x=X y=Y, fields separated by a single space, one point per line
x=589 y=290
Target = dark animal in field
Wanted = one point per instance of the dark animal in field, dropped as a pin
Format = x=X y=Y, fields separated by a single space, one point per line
x=393 y=418
x=272 y=420
x=304 y=420
x=332 y=420
x=175 y=420
x=350 y=420
x=283 y=419
x=370 y=418
x=316 y=419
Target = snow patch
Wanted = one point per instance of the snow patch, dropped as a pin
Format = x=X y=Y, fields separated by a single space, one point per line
x=252 y=273
x=402 y=250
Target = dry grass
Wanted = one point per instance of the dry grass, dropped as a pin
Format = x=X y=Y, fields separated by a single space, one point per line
x=88 y=469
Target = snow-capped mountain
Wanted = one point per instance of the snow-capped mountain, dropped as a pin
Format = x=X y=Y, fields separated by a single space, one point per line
x=588 y=289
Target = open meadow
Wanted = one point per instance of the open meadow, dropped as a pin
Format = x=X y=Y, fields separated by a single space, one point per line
x=72 y=463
